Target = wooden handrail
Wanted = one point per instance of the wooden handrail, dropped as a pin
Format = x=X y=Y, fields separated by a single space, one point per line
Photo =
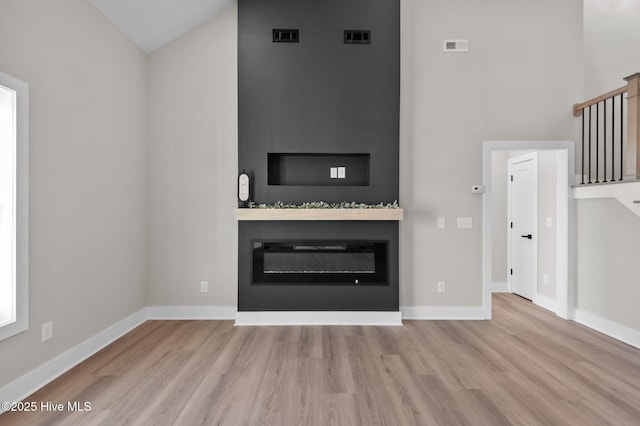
x=631 y=151
x=577 y=108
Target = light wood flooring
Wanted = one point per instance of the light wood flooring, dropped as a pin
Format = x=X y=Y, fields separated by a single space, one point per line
x=525 y=367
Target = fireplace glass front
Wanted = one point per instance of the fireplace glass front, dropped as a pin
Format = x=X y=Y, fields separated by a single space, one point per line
x=320 y=262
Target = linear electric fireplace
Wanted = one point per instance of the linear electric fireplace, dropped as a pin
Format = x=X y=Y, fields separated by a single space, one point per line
x=320 y=262
x=318 y=266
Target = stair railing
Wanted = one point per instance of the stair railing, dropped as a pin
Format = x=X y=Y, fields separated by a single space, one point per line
x=610 y=139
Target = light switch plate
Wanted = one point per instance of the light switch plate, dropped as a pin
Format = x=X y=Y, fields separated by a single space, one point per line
x=465 y=223
x=333 y=173
x=441 y=222
x=342 y=172
x=548 y=222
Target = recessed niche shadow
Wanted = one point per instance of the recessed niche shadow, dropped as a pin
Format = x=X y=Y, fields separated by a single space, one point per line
x=318 y=169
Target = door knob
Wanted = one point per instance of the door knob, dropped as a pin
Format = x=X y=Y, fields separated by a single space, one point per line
x=529 y=236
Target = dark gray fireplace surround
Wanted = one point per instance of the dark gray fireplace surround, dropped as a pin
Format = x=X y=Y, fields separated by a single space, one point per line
x=318 y=87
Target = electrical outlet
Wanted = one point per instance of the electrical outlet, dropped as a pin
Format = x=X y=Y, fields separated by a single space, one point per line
x=442 y=287
x=545 y=279
x=441 y=222
x=204 y=286
x=47 y=331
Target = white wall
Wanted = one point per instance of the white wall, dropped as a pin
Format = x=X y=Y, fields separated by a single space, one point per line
x=607 y=243
x=547 y=205
x=516 y=83
x=611 y=41
x=499 y=181
x=608 y=269
x=193 y=145
x=87 y=173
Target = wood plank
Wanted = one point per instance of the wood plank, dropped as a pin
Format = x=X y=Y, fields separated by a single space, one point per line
x=577 y=108
x=319 y=214
x=524 y=367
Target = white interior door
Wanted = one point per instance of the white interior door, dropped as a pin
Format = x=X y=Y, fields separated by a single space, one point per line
x=523 y=224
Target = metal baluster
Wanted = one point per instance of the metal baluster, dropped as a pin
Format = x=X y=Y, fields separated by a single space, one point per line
x=597 y=143
x=604 y=147
x=613 y=139
x=589 y=156
x=621 y=136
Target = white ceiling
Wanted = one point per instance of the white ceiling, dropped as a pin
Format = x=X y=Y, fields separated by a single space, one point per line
x=152 y=23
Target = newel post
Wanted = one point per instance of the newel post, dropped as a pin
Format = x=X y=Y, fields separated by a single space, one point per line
x=633 y=126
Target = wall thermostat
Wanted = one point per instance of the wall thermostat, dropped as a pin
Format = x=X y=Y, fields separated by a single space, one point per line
x=477 y=189
x=243 y=187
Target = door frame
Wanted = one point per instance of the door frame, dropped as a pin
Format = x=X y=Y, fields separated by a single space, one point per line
x=565 y=224
x=532 y=156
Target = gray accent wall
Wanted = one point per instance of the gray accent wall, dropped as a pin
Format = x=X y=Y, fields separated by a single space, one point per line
x=305 y=107
x=320 y=95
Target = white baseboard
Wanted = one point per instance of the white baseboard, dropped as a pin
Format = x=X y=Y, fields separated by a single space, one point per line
x=546 y=302
x=47 y=372
x=378 y=318
x=613 y=329
x=442 y=312
x=191 y=312
x=499 y=287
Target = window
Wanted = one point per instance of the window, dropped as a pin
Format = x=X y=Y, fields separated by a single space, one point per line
x=14 y=154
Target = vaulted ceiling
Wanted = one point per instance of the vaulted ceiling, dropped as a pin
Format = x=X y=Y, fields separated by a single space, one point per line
x=153 y=23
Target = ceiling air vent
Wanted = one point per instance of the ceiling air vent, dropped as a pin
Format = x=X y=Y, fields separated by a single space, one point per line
x=455 y=46
x=286 y=36
x=357 y=36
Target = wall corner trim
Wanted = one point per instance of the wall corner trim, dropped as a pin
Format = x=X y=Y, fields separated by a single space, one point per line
x=612 y=329
x=24 y=386
x=442 y=312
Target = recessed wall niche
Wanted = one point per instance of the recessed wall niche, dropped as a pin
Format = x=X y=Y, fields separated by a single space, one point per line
x=318 y=169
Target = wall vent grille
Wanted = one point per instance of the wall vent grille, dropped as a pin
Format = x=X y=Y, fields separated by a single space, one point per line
x=357 y=36
x=286 y=36
x=455 y=46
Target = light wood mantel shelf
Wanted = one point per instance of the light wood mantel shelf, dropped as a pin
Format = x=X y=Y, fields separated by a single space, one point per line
x=319 y=214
